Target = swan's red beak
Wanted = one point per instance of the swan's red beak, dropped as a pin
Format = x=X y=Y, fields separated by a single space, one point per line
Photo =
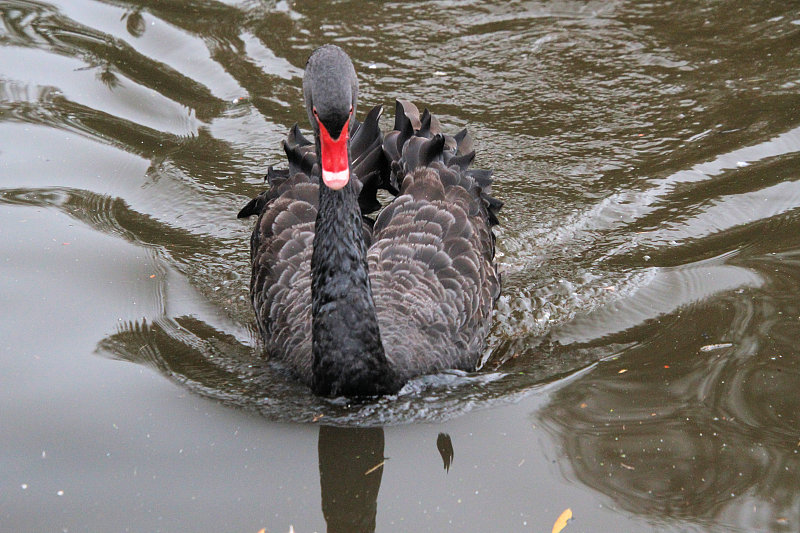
x=335 y=168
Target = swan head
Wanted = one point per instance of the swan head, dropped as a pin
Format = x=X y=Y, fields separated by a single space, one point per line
x=330 y=88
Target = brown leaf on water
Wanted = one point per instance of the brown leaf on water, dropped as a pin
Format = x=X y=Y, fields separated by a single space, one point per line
x=561 y=521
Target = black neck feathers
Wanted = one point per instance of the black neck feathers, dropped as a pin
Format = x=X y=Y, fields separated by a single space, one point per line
x=349 y=358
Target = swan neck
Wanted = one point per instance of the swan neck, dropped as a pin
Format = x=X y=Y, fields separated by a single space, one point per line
x=348 y=357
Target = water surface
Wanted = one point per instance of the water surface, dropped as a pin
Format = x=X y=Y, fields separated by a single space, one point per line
x=643 y=366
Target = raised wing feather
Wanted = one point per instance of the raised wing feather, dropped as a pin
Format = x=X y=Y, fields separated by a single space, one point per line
x=431 y=265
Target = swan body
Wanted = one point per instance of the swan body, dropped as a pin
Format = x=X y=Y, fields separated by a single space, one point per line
x=353 y=305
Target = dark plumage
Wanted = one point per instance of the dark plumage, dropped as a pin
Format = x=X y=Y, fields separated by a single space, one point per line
x=355 y=307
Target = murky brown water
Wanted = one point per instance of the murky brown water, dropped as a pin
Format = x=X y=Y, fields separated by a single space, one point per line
x=644 y=365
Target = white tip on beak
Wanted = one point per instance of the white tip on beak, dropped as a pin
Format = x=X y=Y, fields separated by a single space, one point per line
x=336 y=180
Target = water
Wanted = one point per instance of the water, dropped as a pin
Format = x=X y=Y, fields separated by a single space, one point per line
x=643 y=367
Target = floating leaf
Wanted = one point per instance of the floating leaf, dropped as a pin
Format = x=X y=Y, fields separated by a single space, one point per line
x=561 y=521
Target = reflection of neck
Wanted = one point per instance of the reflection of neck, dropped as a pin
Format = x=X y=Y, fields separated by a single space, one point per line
x=348 y=354
x=349 y=494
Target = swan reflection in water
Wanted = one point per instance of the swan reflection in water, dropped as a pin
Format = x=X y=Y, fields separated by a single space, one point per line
x=351 y=459
x=351 y=465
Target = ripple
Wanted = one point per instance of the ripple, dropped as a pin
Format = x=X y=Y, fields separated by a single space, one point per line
x=85 y=85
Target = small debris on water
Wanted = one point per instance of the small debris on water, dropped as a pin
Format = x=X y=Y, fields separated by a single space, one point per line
x=374 y=468
x=712 y=347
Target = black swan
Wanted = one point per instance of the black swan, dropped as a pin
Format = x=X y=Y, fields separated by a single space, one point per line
x=356 y=306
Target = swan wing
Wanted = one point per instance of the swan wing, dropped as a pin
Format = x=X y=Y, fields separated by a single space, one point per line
x=431 y=261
